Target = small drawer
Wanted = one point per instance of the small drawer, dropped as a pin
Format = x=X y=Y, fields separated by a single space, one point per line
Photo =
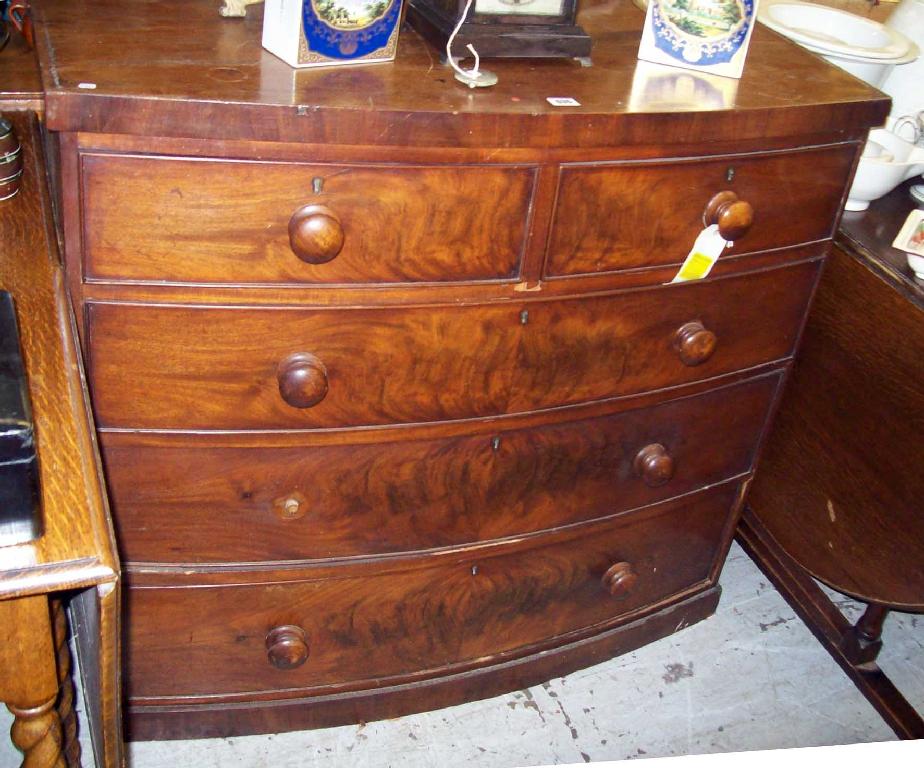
x=322 y=500
x=196 y=367
x=615 y=216
x=381 y=623
x=155 y=219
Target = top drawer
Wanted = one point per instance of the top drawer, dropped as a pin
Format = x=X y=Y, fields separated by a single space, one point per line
x=614 y=216
x=181 y=220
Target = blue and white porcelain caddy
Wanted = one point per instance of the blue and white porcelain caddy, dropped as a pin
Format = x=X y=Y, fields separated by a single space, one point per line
x=707 y=35
x=311 y=33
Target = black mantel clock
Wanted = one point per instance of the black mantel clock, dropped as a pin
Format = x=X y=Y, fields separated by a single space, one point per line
x=503 y=28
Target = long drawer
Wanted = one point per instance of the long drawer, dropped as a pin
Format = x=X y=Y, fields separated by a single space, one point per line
x=155 y=219
x=197 y=367
x=179 y=501
x=376 y=623
x=614 y=216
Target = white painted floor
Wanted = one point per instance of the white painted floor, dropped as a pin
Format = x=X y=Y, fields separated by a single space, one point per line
x=751 y=677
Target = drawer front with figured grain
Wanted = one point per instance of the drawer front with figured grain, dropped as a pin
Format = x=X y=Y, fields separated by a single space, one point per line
x=384 y=622
x=179 y=501
x=195 y=367
x=615 y=216
x=156 y=219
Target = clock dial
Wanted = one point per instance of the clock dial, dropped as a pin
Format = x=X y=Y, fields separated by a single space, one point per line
x=522 y=7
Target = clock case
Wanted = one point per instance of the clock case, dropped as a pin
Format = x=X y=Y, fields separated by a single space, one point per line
x=500 y=35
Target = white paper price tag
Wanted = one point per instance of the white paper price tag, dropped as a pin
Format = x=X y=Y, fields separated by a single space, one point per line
x=705 y=252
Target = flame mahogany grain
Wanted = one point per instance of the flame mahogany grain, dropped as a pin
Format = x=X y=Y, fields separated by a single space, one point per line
x=599 y=205
x=399 y=224
x=214 y=368
x=404 y=493
x=423 y=618
x=497 y=340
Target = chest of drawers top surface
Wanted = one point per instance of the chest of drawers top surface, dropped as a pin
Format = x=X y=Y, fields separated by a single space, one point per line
x=175 y=68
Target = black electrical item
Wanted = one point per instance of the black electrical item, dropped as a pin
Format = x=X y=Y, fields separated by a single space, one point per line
x=20 y=507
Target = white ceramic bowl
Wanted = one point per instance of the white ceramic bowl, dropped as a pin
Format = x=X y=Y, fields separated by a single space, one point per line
x=917 y=264
x=832 y=30
x=864 y=48
x=873 y=72
x=886 y=162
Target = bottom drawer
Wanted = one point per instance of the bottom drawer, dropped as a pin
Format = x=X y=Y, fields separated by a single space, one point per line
x=387 y=621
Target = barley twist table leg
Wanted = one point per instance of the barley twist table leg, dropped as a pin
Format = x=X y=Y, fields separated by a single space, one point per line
x=66 y=686
x=36 y=732
x=29 y=680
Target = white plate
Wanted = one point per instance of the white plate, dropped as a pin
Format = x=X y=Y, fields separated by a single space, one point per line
x=829 y=30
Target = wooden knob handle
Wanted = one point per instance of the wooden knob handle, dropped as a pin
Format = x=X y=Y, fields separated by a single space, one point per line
x=654 y=465
x=694 y=343
x=619 y=579
x=315 y=234
x=733 y=216
x=302 y=379
x=287 y=646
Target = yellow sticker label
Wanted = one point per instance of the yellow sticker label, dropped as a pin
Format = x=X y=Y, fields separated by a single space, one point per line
x=696 y=267
x=707 y=248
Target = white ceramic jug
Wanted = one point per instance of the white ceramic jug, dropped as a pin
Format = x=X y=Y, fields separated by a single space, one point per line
x=887 y=161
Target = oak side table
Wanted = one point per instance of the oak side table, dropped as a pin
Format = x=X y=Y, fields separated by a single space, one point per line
x=838 y=493
x=75 y=558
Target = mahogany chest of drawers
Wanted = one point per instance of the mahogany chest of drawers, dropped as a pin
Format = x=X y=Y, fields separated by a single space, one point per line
x=396 y=404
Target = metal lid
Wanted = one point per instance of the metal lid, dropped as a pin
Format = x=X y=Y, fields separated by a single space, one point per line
x=9 y=157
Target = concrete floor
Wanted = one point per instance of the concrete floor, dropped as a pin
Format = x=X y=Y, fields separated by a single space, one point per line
x=751 y=677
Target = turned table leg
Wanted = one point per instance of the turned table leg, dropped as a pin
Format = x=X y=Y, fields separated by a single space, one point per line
x=853 y=647
x=863 y=641
x=29 y=680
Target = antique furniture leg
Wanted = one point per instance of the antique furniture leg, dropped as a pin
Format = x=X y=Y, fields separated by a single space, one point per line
x=66 y=684
x=29 y=680
x=854 y=648
x=863 y=641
